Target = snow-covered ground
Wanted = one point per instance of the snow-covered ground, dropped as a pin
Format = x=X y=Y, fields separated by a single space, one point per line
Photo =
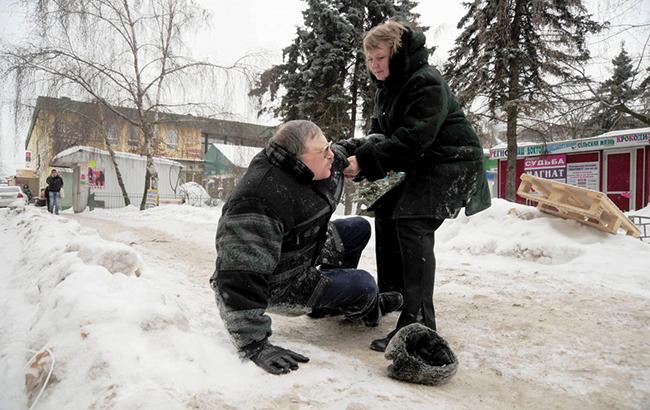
x=541 y=312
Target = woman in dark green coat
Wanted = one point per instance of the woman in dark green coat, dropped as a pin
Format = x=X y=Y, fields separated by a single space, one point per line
x=419 y=129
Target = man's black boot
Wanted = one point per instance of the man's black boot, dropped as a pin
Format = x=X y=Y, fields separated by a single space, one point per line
x=379 y=345
x=390 y=302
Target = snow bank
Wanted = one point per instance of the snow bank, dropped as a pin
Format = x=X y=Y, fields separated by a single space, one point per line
x=121 y=336
x=546 y=244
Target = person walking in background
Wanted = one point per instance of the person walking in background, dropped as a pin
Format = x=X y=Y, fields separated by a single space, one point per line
x=418 y=128
x=27 y=192
x=54 y=184
x=277 y=249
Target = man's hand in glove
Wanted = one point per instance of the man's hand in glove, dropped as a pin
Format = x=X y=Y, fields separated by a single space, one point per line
x=274 y=359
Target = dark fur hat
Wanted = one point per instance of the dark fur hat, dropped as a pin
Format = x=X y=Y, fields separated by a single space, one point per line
x=420 y=355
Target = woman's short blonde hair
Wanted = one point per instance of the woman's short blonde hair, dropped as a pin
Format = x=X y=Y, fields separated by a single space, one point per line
x=389 y=33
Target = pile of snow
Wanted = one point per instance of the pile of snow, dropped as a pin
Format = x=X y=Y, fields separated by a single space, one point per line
x=641 y=212
x=546 y=244
x=194 y=194
x=108 y=320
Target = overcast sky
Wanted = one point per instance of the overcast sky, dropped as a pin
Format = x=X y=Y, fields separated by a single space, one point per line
x=264 y=26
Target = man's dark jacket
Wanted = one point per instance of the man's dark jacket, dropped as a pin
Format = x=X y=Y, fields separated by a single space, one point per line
x=54 y=183
x=269 y=240
x=426 y=136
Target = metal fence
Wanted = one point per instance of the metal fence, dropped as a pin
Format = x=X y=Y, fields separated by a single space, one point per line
x=643 y=223
x=99 y=199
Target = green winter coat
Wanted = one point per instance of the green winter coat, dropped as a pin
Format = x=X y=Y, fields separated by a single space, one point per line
x=425 y=135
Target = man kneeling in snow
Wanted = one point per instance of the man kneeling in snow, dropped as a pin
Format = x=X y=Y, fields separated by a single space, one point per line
x=275 y=231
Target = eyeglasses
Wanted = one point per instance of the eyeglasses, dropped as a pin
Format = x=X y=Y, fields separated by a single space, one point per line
x=325 y=150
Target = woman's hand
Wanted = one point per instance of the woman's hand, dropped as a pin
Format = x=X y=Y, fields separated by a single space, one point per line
x=352 y=170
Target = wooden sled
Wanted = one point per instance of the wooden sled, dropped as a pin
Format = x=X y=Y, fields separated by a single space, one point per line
x=589 y=207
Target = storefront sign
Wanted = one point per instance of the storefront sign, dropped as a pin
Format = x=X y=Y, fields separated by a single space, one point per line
x=564 y=147
x=584 y=175
x=547 y=167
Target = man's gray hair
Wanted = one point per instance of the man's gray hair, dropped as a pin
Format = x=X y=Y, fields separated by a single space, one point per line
x=292 y=135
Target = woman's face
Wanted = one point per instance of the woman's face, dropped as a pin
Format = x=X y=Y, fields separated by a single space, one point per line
x=378 y=60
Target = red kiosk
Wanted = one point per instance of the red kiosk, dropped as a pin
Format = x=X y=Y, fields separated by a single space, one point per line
x=616 y=163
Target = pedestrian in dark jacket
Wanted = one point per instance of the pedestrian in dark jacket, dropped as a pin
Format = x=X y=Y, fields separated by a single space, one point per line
x=54 y=184
x=275 y=230
x=27 y=192
x=419 y=129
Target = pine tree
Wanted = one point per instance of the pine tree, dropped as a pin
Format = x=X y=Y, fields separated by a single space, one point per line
x=513 y=53
x=323 y=77
x=616 y=90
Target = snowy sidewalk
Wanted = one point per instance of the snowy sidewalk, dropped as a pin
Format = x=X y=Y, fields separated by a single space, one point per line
x=542 y=313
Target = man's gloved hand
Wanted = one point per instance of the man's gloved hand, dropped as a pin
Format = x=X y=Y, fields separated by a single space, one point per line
x=274 y=359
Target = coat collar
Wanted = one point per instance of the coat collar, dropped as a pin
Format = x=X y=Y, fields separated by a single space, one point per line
x=281 y=158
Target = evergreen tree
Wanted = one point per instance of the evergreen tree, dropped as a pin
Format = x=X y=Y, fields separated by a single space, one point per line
x=513 y=53
x=616 y=90
x=323 y=77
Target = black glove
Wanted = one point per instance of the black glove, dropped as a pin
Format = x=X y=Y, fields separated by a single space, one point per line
x=274 y=359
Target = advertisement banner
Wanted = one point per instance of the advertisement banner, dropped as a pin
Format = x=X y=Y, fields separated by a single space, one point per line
x=584 y=175
x=96 y=178
x=581 y=145
x=547 y=167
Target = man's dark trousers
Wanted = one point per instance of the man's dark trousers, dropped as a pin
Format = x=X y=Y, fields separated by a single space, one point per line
x=350 y=291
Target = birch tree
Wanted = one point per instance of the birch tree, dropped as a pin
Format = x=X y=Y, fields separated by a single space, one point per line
x=120 y=54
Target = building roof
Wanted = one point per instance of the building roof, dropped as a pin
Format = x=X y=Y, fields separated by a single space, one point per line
x=219 y=127
x=239 y=155
x=76 y=154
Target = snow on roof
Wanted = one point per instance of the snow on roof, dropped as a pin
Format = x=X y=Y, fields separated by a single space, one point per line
x=80 y=148
x=624 y=132
x=239 y=155
x=504 y=144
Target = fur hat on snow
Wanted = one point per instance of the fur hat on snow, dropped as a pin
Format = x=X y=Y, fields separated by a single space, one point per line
x=420 y=355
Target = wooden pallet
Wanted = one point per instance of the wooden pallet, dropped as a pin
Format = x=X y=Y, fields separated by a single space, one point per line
x=589 y=207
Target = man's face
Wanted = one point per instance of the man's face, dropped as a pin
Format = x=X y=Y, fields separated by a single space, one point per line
x=53 y=173
x=378 y=60
x=318 y=157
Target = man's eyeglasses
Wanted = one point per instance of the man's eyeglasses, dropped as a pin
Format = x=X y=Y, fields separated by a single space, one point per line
x=325 y=150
